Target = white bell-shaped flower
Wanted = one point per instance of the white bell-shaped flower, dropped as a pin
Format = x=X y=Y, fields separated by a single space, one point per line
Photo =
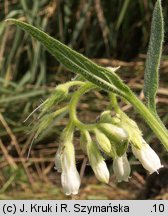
x=70 y=178
x=101 y=171
x=148 y=157
x=97 y=163
x=121 y=168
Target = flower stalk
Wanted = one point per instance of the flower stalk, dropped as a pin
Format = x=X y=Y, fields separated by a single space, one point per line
x=73 y=105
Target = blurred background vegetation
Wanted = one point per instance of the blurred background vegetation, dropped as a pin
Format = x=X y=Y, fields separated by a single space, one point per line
x=112 y=33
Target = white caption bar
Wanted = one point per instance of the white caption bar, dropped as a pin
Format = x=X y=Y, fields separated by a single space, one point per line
x=83 y=207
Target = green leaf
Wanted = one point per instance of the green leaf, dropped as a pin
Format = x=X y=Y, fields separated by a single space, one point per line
x=75 y=62
x=153 y=57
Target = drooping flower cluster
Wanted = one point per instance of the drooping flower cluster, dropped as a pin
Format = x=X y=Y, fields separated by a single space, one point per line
x=111 y=137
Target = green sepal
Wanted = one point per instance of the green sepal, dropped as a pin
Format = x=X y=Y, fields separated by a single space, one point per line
x=106 y=117
x=135 y=134
x=104 y=143
x=118 y=137
x=83 y=141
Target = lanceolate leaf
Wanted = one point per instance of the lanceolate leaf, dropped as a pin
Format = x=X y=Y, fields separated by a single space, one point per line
x=102 y=77
x=153 y=57
x=76 y=62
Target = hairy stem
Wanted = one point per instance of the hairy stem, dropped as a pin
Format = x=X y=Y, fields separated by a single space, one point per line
x=73 y=105
x=156 y=125
x=113 y=101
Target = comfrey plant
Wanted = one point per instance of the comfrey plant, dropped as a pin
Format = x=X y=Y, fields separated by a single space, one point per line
x=110 y=135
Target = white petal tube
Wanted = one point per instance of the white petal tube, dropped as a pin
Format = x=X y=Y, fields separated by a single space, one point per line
x=70 y=178
x=121 y=168
x=97 y=163
x=148 y=157
x=101 y=171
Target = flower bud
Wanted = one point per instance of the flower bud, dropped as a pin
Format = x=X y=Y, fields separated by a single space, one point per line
x=104 y=143
x=118 y=137
x=97 y=163
x=70 y=178
x=121 y=168
x=148 y=157
x=106 y=117
x=58 y=95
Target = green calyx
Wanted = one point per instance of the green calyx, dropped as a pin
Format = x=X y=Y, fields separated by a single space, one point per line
x=84 y=139
x=106 y=117
x=66 y=141
x=93 y=153
x=118 y=137
x=104 y=143
x=132 y=129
